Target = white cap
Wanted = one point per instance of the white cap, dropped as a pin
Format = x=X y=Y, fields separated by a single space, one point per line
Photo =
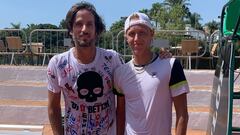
x=137 y=18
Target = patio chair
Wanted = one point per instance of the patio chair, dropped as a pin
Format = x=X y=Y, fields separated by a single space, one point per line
x=2 y=47
x=188 y=48
x=14 y=46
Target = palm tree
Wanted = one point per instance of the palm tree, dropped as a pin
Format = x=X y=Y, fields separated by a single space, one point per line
x=16 y=25
x=212 y=26
x=194 y=19
x=145 y=11
x=63 y=24
x=183 y=3
x=158 y=14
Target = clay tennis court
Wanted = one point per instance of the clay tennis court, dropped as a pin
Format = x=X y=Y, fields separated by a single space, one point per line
x=23 y=101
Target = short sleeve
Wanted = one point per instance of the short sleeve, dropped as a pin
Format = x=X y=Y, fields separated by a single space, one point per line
x=178 y=83
x=117 y=81
x=118 y=60
x=52 y=76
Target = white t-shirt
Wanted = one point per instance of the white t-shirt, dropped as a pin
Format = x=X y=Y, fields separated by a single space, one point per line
x=87 y=90
x=148 y=94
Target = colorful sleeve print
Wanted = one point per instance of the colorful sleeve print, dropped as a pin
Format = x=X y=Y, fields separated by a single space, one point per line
x=52 y=77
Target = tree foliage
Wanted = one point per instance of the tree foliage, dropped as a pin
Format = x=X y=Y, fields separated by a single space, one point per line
x=117 y=26
x=194 y=20
x=16 y=25
x=212 y=26
x=63 y=24
x=168 y=15
x=176 y=18
x=115 y=29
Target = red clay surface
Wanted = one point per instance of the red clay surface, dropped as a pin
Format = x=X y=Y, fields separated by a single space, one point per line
x=30 y=92
x=48 y=131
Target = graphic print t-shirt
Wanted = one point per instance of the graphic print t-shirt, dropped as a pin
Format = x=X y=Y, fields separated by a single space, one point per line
x=87 y=90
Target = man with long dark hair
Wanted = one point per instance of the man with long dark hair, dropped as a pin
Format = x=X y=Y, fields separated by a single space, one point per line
x=84 y=76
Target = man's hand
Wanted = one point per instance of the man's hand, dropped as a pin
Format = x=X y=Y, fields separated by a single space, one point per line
x=164 y=53
x=120 y=115
x=180 y=103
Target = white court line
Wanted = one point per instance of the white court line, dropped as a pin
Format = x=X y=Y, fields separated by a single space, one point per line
x=21 y=126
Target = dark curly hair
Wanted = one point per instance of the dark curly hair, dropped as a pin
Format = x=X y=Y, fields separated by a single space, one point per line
x=70 y=17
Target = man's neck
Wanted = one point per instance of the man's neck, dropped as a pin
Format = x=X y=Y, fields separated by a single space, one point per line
x=85 y=55
x=143 y=60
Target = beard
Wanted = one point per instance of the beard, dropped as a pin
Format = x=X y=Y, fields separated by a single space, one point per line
x=83 y=43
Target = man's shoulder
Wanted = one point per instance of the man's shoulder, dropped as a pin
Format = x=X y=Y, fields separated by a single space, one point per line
x=124 y=68
x=60 y=57
x=107 y=51
x=111 y=56
x=122 y=72
x=169 y=61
